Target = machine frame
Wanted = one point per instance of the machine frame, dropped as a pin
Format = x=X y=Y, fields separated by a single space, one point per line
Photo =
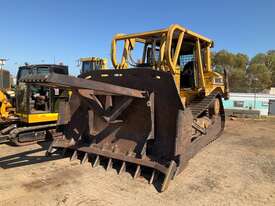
x=169 y=43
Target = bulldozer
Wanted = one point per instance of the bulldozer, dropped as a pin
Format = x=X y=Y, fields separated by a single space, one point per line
x=33 y=115
x=159 y=106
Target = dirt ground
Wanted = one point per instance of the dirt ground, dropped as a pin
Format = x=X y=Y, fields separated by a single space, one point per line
x=236 y=169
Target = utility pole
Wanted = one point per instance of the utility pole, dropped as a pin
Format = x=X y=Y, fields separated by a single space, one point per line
x=252 y=85
x=255 y=79
x=2 y=63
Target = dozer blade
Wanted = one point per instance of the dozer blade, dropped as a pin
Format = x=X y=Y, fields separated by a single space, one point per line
x=130 y=119
x=64 y=81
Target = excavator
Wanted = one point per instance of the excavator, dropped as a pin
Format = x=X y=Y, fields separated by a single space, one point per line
x=5 y=105
x=7 y=96
x=33 y=115
x=158 y=107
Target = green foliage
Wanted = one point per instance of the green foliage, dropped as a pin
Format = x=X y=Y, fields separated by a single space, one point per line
x=258 y=59
x=241 y=61
x=259 y=77
x=247 y=75
x=238 y=80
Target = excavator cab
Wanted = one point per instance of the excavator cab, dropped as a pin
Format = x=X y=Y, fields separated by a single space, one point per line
x=36 y=103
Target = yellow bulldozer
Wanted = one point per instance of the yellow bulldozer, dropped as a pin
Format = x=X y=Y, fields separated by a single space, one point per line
x=154 y=111
x=92 y=63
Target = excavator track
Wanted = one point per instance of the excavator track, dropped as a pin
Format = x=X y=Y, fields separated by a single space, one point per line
x=22 y=136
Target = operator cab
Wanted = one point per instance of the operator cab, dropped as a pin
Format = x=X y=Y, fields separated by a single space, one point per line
x=149 y=53
x=188 y=66
x=186 y=62
x=184 y=54
x=36 y=99
x=92 y=63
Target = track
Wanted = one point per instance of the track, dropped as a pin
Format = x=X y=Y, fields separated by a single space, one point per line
x=22 y=136
x=198 y=107
x=203 y=136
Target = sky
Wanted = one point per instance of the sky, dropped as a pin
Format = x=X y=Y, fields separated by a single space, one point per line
x=48 y=31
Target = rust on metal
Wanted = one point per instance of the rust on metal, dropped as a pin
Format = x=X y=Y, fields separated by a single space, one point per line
x=136 y=119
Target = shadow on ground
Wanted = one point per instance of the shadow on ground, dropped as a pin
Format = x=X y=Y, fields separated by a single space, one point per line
x=29 y=157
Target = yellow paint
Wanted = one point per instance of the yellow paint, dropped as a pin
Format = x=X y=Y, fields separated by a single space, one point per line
x=5 y=105
x=101 y=62
x=170 y=41
x=199 y=61
x=38 y=118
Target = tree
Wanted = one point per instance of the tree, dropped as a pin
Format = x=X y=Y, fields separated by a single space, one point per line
x=268 y=60
x=258 y=59
x=223 y=59
x=236 y=65
x=241 y=61
x=238 y=81
x=259 y=77
x=246 y=75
